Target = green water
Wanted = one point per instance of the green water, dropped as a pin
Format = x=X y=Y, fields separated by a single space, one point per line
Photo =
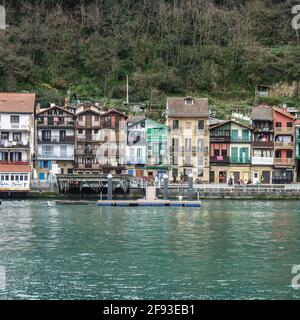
x=225 y=250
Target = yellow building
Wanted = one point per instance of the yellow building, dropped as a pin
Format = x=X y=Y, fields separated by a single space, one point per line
x=187 y=119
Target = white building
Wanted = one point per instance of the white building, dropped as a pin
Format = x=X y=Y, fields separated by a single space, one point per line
x=16 y=139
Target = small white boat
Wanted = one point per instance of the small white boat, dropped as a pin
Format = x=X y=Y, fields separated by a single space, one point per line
x=49 y=204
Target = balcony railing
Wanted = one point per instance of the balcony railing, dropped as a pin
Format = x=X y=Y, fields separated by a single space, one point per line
x=56 y=156
x=13 y=144
x=220 y=159
x=220 y=139
x=67 y=124
x=241 y=139
x=15 y=162
x=92 y=138
x=284 y=145
x=240 y=160
x=263 y=161
x=67 y=139
x=263 y=144
x=263 y=129
x=284 y=162
x=288 y=130
x=14 y=126
x=83 y=124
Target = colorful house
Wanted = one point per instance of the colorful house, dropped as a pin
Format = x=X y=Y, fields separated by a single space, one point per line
x=297 y=149
x=262 y=144
x=230 y=152
x=187 y=119
x=147 y=144
x=55 y=134
x=284 y=143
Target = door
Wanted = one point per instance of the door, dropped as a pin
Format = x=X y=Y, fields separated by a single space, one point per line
x=234 y=155
x=266 y=177
x=243 y=155
x=245 y=135
x=236 y=176
x=222 y=177
x=212 y=177
x=255 y=178
x=234 y=135
x=89 y=135
x=88 y=121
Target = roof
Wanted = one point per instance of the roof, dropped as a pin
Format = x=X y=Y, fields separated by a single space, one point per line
x=229 y=121
x=284 y=112
x=262 y=112
x=134 y=119
x=131 y=124
x=56 y=107
x=115 y=111
x=17 y=102
x=178 y=108
x=20 y=168
x=89 y=110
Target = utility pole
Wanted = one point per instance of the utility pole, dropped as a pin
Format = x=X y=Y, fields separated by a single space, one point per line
x=127 y=90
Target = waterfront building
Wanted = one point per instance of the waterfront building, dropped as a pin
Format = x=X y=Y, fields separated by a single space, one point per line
x=188 y=122
x=230 y=152
x=297 y=149
x=262 y=144
x=147 y=148
x=16 y=140
x=55 y=142
x=100 y=141
x=284 y=145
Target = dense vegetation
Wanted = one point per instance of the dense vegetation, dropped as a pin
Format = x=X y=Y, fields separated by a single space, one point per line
x=220 y=49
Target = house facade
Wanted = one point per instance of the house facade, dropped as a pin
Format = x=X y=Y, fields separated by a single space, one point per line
x=284 y=144
x=187 y=120
x=16 y=140
x=297 y=149
x=262 y=144
x=230 y=152
x=100 y=141
x=147 y=149
x=55 y=142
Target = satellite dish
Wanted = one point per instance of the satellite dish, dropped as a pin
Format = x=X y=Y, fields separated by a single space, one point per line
x=2 y=18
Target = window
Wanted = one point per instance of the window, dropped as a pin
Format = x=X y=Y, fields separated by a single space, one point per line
x=47 y=150
x=175 y=144
x=80 y=118
x=278 y=125
x=188 y=160
x=175 y=124
x=17 y=137
x=189 y=101
x=96 y=131
x=278 y=154
x=289 y=154
x=200 y=173
x=14 y=119
x=96 y=118
x=4 y=136
x=21 y=178
x=200 y=161
x=7 y=177
x=143 y=125
x=289 y=124
x=50 y=121
x=70 y=171
x=175 y=160
x=12 y=178
x=80 y=131
x=46 y=135
x=2 y=178
x=62 y=135
x=17 y=178
x=26 y=178
x=107 y=121
x=200 y=124
x=188 y=145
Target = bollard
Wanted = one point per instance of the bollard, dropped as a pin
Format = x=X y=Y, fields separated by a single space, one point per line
x=166 y=191
x=109 y=187
x=191 y=189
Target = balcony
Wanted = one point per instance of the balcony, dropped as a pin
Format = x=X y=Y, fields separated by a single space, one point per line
x=56 y=156
x=14 y=126
x=67 y=124
x=284 y=162
x=240 y=140
x=220 y=159
x=263 y=129
x=285 y=131
x=284 y=145
x=15 y=162
x=220 y=139
x=14 y=144
x=88 y=125
x=92 y=138
x=240 y=160
x=136 y=161
x=263 y=144
x=57 y=140
x=266 y=161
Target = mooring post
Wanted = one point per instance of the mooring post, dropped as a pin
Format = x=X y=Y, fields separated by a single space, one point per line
x=166 y=189
x=109 y=187
x=191 y=189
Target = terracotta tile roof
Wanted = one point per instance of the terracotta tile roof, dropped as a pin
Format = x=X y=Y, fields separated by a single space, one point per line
x=262 y=112
x=22 y=168
x=284 y=112
x=17 y=102
x=179 y=109
x=229 y=121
